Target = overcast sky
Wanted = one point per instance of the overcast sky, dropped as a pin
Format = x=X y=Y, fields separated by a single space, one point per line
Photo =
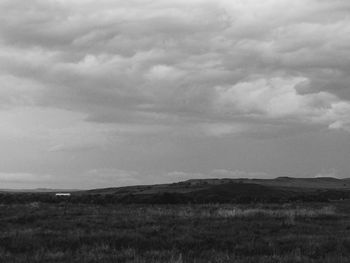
x=111 y=92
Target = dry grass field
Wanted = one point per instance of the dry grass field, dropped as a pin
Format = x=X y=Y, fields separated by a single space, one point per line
x=67 y=232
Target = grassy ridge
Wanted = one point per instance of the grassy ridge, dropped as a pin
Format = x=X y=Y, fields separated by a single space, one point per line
x=237 y=193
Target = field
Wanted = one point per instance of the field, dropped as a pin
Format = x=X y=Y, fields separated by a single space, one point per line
x=72 y=232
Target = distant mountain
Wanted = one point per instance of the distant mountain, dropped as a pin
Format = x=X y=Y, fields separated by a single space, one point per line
x=38 y=190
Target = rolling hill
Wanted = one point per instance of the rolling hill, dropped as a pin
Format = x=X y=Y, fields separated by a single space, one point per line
x=302 y=184
x=243 y=190
x=281 y=189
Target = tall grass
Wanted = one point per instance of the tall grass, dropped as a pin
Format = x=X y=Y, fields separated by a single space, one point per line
x=174 y=233
x=277 y=213
x=214 y=211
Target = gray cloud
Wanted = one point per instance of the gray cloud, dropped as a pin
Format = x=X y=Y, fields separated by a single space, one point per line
x=143 y=58
x=113 y=70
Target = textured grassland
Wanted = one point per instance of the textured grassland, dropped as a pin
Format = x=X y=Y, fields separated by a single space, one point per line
x=40 y=232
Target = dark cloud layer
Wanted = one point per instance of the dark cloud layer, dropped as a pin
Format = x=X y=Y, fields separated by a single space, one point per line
x=199 y=68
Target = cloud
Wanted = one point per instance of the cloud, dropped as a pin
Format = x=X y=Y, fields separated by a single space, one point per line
x=15 y=177
x=173 y=56
x=89 y=82
x=18 y=180
x=59 y=129
x=278 y=98
x=111 y=177
x=120 y=61
x=224 y=173
x=216 y=173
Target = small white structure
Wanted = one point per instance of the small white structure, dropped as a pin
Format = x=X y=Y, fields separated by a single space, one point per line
x=62 y=194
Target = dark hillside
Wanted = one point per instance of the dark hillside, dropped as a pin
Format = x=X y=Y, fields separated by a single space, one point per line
x=221 y=193
x=242 y=193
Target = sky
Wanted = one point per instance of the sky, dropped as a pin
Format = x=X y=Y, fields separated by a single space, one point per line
x=113 y=93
